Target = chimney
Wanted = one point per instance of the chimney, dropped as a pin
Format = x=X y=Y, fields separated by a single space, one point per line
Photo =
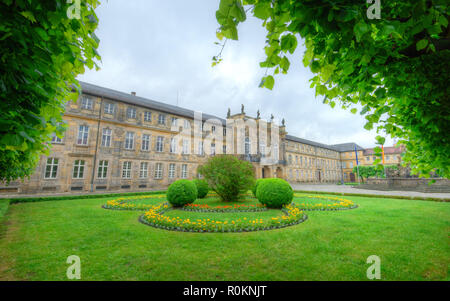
x=133 y=93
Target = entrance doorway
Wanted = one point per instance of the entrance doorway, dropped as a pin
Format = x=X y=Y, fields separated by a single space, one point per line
x=279 y=172
x=352 y=177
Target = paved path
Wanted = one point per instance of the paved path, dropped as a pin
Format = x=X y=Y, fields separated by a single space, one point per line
x=296 y=186
x=350 y=189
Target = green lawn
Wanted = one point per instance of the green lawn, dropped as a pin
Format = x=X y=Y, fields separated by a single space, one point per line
x=411 y=237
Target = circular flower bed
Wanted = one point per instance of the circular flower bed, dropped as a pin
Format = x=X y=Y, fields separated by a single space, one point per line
x=292 y=214
x=155 y=218
x=330 y=203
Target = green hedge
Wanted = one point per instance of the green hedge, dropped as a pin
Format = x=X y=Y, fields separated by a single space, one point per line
x=274 y=192
x=76 y=197
x=182 y=192
x=202 y=188
x=378 y=196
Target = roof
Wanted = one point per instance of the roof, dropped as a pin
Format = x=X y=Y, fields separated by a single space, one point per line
x=309 y=142
x=167 y=108
x=387 y=150
x=347 y=147
x=141 y=101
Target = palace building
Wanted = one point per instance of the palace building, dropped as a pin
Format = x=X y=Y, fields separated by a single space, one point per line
x=122 y=142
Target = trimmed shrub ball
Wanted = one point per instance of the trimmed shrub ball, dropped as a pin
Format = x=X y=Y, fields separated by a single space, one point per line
x=274 y=193
x=256 y=186
x=182 y=192
x=202 y=188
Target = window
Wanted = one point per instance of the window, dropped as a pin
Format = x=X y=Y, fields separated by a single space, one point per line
x=351 y=164
x=162 y=119
x=185 y=146
x=158 y=171
x=147 y=116
x=109 y=108
x=51 y=169
x=86 y=103
x=173 y=145
x=184 y=171
x=290 y=159
x=174 y=121
x=200 y=147
x=106 y=137
x=131 y=113
x=275 y=151
x=224 y=132
x=143 y=171
x=78 y=169
x=247 y=145
x=102 y=169
x=129 y=140
x=159 y=144
x=83 y=133
x=56 y=139
x=171 y=170
x=126 y=170
x=224 y=149
x=213 y=129
x=186 y=124
x=145 y=142
x=262 y=148
x=213 y=149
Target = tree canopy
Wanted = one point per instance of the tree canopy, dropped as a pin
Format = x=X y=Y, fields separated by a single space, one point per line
x=44 y=45
x=395 y=66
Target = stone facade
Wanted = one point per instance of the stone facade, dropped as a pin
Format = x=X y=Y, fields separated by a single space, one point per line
x=121 y=142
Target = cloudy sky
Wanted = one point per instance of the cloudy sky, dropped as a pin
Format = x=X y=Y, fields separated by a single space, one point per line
x=161 y=49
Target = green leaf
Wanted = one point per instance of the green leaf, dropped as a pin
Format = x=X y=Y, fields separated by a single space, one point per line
x=353 y=111
x=348 y=69
x=288 y=43
x=380 y=140
x=360 y=29
x=421 y=44
x=380 y=93
x=269 y=82
x=29 y=15
x=262 y=10
x=284 y=64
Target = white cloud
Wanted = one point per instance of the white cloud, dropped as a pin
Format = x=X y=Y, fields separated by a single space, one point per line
x=160 y=49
